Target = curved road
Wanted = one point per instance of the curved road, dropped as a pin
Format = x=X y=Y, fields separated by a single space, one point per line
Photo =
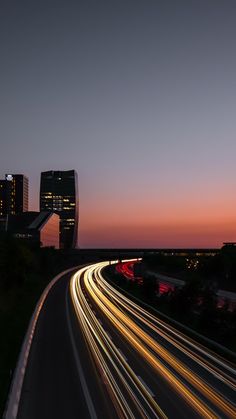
x=97 y=354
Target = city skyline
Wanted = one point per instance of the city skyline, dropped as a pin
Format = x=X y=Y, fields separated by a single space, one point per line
x=139 y=98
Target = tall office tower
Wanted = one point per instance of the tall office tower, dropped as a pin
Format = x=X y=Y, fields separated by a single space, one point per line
x=59 y=193
x=14 y=194
x=2 y=198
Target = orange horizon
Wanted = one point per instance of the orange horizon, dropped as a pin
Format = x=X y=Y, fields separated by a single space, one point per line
x=176 y=225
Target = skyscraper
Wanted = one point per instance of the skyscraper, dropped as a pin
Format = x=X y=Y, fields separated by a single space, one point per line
x=59 y=193
x=14 y=194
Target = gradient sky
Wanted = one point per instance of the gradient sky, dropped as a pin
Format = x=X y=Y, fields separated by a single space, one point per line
x=140 y=98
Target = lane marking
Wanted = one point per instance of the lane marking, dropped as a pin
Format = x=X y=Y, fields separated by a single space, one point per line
x=83 y=382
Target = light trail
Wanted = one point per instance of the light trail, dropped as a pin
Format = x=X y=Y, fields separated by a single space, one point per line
x=177 y=338
x=126 y=390
x=106 y=355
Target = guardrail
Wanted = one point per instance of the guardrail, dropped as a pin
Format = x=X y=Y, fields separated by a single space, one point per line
x=13 y=400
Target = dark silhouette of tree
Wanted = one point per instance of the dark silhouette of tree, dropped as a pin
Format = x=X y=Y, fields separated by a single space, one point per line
x=16 y=262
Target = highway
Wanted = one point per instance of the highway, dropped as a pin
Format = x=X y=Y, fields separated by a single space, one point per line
x=149 y=369
x=96 y=354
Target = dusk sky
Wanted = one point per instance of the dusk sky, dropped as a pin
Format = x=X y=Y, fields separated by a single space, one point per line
x=140 y=98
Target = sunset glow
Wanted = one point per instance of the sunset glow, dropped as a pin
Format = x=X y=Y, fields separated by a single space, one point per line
x=138 y=98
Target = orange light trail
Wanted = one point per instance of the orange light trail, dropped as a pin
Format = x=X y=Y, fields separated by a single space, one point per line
x=126 y=317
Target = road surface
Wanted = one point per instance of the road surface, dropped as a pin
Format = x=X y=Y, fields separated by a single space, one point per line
x=97 y=354
x=150 y=369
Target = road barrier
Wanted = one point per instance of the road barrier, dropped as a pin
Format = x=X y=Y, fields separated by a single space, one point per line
x=13 y=400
